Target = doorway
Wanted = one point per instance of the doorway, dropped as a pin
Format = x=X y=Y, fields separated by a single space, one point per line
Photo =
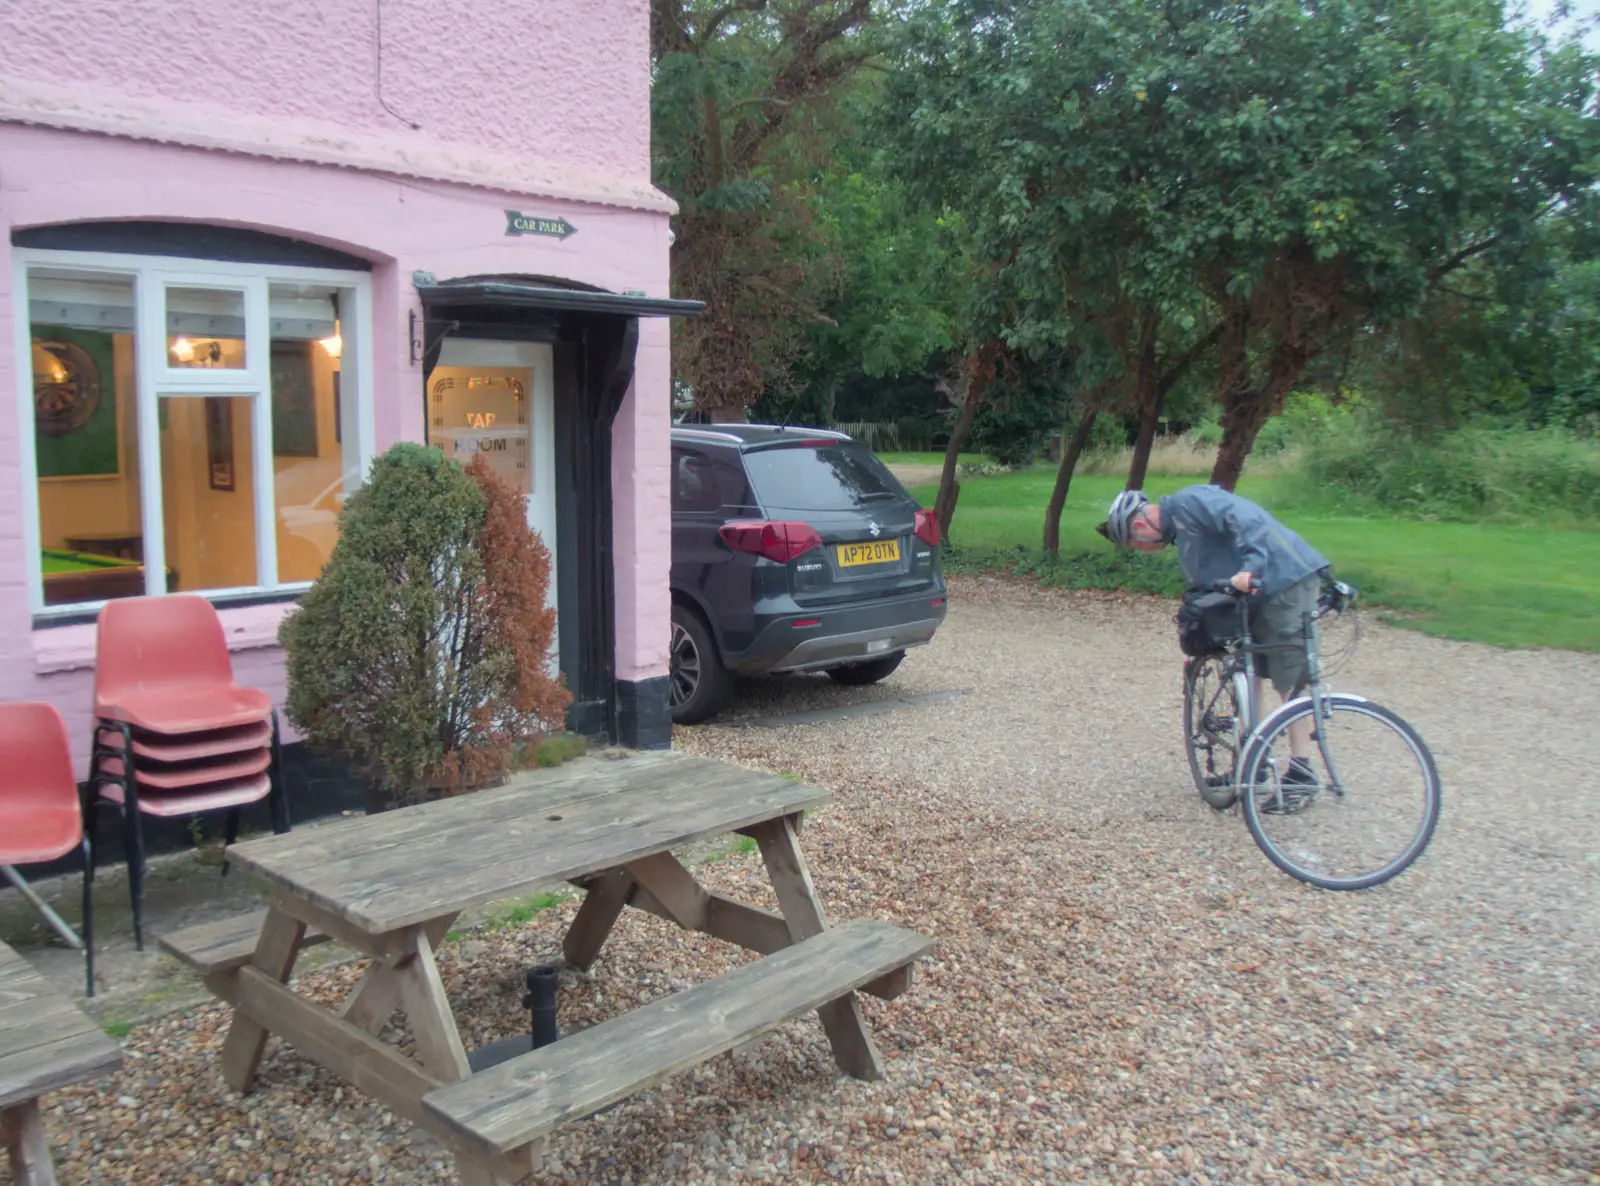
x=498 y=399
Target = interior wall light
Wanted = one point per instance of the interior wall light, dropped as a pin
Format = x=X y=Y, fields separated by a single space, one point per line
x=334 y=343
x=183 y=350
x=47 y=366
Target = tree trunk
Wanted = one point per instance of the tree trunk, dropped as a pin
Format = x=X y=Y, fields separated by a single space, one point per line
x=1058 y=497
x=729 y=414
x=980 y=369
x=1148 y=397
x=944 y=506
x=1246 y=407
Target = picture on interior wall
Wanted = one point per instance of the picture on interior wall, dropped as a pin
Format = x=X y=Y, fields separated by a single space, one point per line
x=294 y=400
x=219 y=441
x=74 y=403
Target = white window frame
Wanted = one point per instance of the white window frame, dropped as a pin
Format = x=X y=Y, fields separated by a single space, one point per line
x=155 y=379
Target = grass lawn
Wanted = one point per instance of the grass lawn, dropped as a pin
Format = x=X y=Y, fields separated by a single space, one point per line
x=1516 y=586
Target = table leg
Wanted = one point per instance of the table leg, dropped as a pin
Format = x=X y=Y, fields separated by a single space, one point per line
x=603 y=903
x=373 y=1001
x=23 y=1129
x=853 y=1048
x=276 y=950
x=433 y=1026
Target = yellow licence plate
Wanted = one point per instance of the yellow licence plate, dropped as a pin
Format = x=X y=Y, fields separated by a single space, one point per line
x=878 y=552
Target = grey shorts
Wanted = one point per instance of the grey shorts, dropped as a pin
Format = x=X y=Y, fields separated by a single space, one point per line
x=1278 y=621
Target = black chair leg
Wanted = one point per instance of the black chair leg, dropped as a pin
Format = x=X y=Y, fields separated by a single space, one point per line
x=230 y=833
x=88 y=914
x=132 y=833
x=133 y=840
x=278 y=794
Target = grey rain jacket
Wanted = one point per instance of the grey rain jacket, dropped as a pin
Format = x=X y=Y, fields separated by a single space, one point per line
x=1219 y=534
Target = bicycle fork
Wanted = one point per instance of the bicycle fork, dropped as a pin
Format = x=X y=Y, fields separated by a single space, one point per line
x=1321 y=708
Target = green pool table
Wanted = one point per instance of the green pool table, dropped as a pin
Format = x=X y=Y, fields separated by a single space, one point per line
x=72 y=577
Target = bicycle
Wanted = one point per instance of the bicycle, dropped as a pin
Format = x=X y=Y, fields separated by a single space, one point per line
x=1316 y=832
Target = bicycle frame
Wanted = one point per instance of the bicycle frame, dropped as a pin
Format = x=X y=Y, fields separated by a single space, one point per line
x=1321 y=698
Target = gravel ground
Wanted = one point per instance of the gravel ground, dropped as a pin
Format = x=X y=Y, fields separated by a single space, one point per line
x=1126 y=991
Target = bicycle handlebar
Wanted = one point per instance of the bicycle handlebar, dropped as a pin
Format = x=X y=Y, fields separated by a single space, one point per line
x=1227 y=587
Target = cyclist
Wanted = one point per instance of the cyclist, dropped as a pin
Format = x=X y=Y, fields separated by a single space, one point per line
x=1223 y=537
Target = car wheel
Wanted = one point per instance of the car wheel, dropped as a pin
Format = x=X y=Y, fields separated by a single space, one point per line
x=700 y=685
x=859 y=675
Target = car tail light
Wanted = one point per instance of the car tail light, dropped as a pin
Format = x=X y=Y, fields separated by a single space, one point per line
x=805 y=623
x=778 y=541
x=927 y=528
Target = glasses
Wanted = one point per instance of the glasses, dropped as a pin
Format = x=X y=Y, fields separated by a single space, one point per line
x=1140 y=527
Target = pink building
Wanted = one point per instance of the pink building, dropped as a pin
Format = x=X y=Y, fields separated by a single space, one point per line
x=252 y=246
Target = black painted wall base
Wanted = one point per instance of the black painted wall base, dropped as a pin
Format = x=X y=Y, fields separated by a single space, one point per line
x=644 y=720
x=591 y=719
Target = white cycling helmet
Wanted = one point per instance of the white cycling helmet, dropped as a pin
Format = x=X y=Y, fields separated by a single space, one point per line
x=1119 y=519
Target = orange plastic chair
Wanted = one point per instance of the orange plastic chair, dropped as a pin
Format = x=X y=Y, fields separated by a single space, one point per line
x=41 y=816
x=173 y=733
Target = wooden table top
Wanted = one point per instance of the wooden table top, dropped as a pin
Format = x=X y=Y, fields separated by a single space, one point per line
x=400 y=868
x=45 y=1040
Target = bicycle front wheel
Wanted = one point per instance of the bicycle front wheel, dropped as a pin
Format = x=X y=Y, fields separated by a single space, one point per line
x=1365 y=811
x=1212 y=717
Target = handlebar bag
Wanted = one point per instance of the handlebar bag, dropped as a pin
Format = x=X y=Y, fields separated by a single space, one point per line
x=1207 y=622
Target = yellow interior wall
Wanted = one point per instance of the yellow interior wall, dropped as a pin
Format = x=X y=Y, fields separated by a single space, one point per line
x=210 y=534
x=99 y=506
x=303 y=548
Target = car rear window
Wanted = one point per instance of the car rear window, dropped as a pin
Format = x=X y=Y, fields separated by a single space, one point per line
x=819 y=477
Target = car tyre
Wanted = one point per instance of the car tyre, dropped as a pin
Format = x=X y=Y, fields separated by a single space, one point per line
x=700 y=685
x=859 y=675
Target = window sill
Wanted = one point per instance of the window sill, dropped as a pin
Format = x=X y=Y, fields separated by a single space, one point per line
x=70 y=646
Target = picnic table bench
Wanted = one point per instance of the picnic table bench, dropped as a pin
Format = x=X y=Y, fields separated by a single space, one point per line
x=390 y=886
x=46 y=1042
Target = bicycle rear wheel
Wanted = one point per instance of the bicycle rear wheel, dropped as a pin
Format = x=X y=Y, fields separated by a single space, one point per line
x=1211 y=720
x=1354 y=825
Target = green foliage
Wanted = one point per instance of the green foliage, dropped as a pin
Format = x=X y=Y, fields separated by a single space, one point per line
x=1306 y=415
x=1368 y=463
x=1513 y=337
x=559 y=748
x=382 y=653
x=742 y=98
x=1292 y=173
x=523 y=910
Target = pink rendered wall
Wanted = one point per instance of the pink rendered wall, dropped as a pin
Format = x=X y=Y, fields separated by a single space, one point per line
x=564 y=81
x=49 y=176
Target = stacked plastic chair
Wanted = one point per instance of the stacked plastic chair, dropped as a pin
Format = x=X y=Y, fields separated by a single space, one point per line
x=173 y=734
x=41 y=817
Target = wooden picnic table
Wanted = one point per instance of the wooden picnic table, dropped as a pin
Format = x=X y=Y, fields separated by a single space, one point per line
x=46 y=1042
x=391 y=885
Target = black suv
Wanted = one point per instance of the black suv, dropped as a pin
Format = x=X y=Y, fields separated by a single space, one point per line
x=793 y=549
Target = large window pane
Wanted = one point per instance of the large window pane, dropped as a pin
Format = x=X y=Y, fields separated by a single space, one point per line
x=208 y=492
x=205 y=328
x=484 y=410
x=86 y=444
x=315 y=450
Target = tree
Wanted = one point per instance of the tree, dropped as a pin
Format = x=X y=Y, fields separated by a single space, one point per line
x=740 y=88
x=1322 y=168
x=1158 y=182
x=893 y=312
x=1001 y=111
